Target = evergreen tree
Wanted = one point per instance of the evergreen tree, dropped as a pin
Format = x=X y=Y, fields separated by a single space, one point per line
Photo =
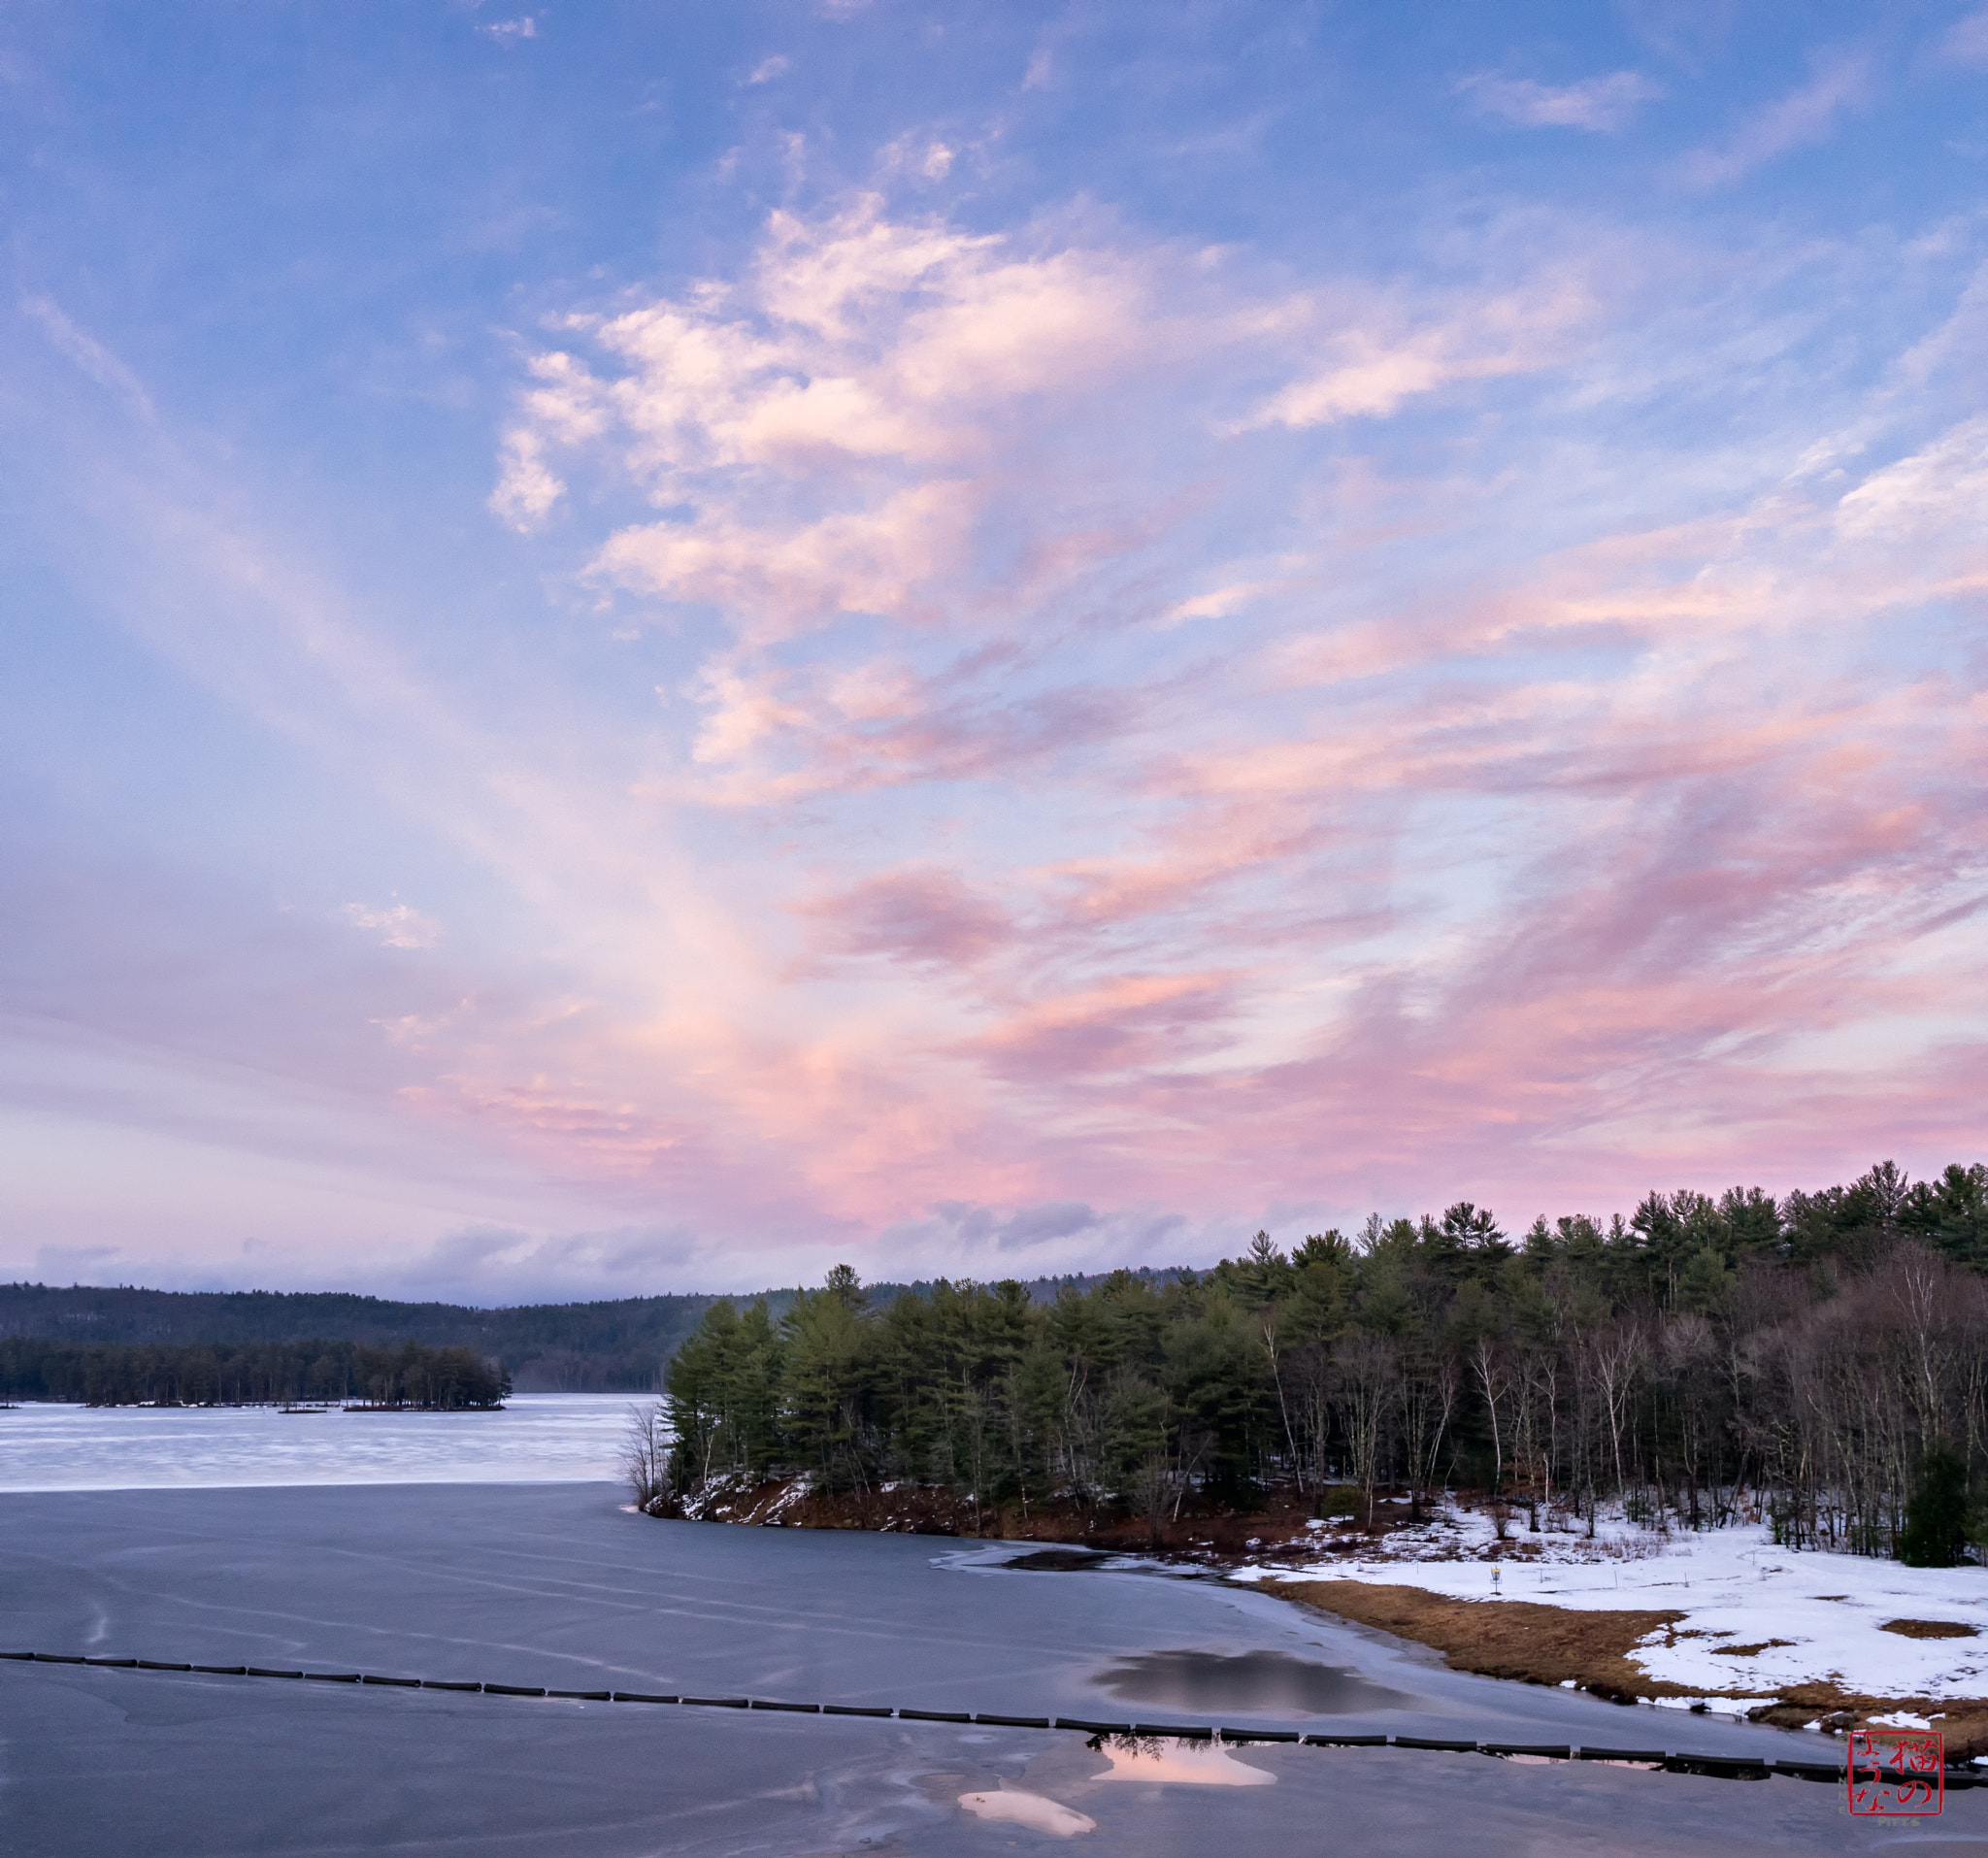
x=1936 y=1532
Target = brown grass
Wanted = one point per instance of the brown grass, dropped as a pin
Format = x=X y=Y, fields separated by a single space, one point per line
x=1930 y=1629
x=1520 y=1639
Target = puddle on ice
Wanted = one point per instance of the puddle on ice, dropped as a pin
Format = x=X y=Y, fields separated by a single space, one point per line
x=1033 y=1810
x=1265 y=1683
x=1193 y=1764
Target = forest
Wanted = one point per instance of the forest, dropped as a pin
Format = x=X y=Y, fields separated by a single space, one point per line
x=1820 y=1361
x=575 y=1348
x=249 y=1373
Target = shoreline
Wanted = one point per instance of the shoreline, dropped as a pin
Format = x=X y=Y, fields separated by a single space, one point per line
x=1219 y=1538
x=1606 y=1648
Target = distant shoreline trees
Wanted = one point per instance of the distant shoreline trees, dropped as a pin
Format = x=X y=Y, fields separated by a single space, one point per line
x=251 y=1374
x=618 y=1346
x=1813 y=1361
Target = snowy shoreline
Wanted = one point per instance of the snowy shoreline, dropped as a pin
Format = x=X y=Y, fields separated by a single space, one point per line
x=1759 y=1620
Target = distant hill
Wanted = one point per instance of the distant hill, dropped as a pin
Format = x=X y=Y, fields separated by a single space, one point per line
x=615 y=1346
x=570 y=1347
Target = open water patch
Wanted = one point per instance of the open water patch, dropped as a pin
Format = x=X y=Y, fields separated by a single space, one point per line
x=1013 y=1807
x=1059 y=1558
x=1166 y=1759
x=1260 y=1682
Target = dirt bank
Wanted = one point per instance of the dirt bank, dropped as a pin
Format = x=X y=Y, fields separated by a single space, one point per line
x=1282 y=1523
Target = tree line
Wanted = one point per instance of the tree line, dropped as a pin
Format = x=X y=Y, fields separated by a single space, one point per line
x=613 y=1345
x=248 y=1374
x=1820 y=1362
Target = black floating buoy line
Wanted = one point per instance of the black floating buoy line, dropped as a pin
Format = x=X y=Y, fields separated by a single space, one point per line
x=1719 y=1767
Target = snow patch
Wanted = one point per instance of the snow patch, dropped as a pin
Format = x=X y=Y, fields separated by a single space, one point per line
x=1758 y=1618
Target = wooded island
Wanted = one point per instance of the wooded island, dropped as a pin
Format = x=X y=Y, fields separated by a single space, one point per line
x=249 y=1373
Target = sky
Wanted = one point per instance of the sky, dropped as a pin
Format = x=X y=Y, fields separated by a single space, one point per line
x=645 y=647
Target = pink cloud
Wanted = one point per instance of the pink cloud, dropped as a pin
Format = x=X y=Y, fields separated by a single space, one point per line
x=1129 y=1024
x=1381 y=356
x=882 y=561
x=912 y=915
x=1114 y=789
x=773 y=734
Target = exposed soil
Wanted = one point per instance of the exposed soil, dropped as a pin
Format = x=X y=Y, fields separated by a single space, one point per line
x=1540 y=1644
x=1213 y=1535
x=1930 y=1629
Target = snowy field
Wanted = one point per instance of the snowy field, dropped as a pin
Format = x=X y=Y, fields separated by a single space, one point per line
x=1758 y=1618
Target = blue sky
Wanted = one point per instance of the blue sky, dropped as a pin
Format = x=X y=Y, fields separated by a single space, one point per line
x=644 y=647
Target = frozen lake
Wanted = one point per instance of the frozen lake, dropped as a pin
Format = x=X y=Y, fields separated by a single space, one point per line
x=554 y=1584
x=535 y=1438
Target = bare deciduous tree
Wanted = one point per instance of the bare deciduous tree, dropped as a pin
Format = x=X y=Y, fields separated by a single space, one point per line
x=645 y=1457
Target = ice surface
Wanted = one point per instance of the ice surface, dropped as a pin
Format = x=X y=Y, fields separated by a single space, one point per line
x=553 y=1583
x=535 y=1438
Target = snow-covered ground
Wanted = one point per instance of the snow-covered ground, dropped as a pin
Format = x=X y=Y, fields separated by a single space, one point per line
x=1737 y=1589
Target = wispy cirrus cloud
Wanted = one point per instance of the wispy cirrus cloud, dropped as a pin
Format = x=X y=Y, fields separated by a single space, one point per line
x=89 y=354
x=1599 y=105
x=1965 y=40
x=915 y=915
x=398 y=925
x=509 y=32
x=1842 y=82
x=879 y=561
x=1382 y=357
